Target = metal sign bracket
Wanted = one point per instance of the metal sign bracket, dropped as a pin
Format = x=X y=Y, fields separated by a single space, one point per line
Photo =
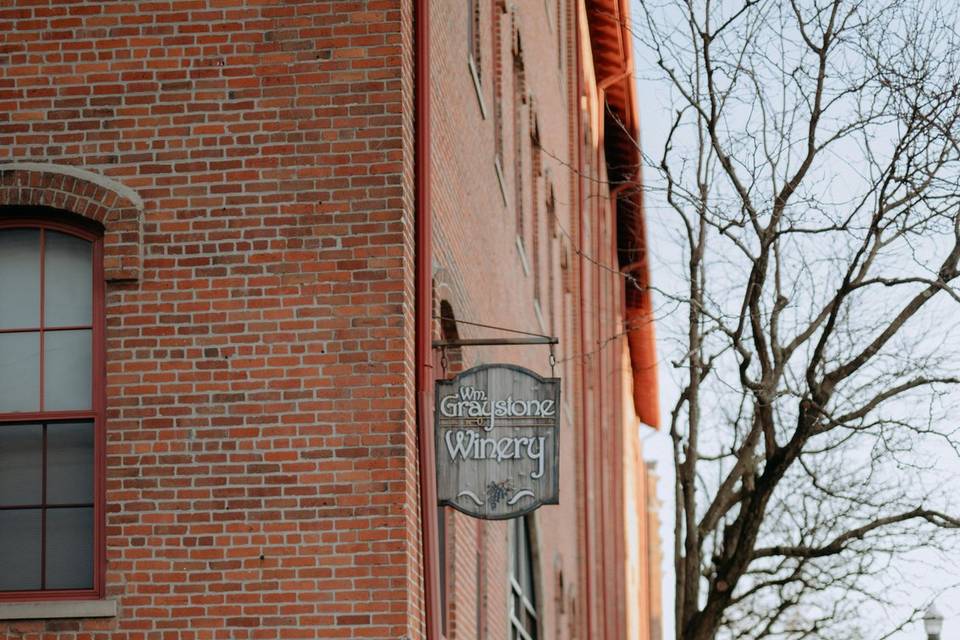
x=494 y=342
x=527 y=339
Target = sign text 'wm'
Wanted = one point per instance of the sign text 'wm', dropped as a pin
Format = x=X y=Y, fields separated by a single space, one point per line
x=497 y=441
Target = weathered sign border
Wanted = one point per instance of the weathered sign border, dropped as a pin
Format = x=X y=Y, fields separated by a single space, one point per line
x=554 y=456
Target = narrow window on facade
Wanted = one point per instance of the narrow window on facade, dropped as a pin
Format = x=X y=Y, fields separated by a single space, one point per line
x=523 y=598
x=473 y=37
x=559 y=33
x=519 y=95
x=51 y=417
x=495 y=25
x=442 y=544
x=535 y=173
x=551 y=238
x=474 y=48
x=480 y=579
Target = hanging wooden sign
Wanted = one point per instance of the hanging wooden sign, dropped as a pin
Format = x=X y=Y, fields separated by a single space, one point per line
x=497 y=441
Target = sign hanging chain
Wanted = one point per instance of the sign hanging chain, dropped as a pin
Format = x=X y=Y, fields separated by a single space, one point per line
x=443 y=362
x=553 y=362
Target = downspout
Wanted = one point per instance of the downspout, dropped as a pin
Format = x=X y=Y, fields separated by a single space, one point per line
x=612 y=80
x=615 y=192
x=620 y=479
x=423 y=294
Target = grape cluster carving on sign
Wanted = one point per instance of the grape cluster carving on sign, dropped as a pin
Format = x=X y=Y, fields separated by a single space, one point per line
x=497 y=441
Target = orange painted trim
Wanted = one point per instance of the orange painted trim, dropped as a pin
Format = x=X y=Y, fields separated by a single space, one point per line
x=617 y=71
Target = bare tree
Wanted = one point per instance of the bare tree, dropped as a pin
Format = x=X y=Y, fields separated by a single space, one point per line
x=813 y=167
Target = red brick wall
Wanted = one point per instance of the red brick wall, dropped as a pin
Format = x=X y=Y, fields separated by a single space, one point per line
x=261 y=462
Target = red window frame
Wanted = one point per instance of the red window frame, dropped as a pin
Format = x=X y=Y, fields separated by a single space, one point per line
x=14 y=218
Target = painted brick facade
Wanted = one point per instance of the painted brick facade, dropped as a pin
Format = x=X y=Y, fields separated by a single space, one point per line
x=251 y=163
x=557 y=271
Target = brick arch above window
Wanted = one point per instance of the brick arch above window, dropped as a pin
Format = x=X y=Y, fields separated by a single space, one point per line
x=117 y=207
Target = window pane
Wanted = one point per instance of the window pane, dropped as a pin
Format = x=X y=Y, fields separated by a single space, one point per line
x=67 y=372
x=530 y=624
x=70 y=463
x=19 y=278
x=70 y=548
x=68 y=280
x=21 y=464
x=19 y=549
x=526 y=570
x=19 y=372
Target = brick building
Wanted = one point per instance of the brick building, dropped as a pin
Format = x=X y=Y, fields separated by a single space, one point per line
x=229 y=232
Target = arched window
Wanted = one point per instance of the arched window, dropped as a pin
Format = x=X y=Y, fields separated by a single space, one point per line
x=51 y=409
x=523 y=597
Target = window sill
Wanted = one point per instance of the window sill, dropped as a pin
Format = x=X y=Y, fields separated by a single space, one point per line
x=477 y=86
x=58 y=609
x=539 y=313
x=523 y=256
x=499 y=171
